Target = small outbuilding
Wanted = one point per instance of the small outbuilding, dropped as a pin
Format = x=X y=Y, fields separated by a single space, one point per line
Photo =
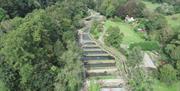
x=148 y=62
x=129 y=19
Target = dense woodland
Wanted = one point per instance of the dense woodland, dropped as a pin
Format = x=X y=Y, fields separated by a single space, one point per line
x=39 y=49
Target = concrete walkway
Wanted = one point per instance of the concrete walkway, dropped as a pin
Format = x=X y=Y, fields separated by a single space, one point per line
x=101 y=64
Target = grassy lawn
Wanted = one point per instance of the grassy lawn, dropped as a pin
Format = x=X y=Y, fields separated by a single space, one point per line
x=130 y=36
x=174 y=21
x=158 y=86
x=151 y=6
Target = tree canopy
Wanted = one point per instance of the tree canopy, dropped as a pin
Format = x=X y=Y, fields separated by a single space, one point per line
x=22 y=7
x=39 y=52
x=114 y=37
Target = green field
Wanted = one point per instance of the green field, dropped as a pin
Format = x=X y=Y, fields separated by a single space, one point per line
x=174 y=21
x=130 y=36
x=158 y=86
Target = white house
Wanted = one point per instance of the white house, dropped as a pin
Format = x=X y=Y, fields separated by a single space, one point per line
x=129 y=19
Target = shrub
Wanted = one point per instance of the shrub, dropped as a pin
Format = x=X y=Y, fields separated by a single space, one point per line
x=146 y=46
x=177 y=7
x=165 y=9
x=95 y=30
x=2 y=14
x=140 y=26
x=114 y=37
x=173 y=51
x=117 y=19
x=178 y=68
x=94 y=86
x=155 y=22
x=167 y=74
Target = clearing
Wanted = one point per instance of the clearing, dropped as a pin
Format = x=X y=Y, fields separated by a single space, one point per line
x=130 y=36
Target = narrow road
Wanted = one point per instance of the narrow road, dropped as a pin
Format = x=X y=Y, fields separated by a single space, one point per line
x=98 y=62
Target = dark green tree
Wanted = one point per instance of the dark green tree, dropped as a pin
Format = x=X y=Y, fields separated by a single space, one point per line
x=38 y=48
x=22 y=7
x=155 y=22
x=2 y=14
x=114 y=37
x=166 y=9
x=108 y=7
x=167 y=74
x=132 y=8
x=139 y=79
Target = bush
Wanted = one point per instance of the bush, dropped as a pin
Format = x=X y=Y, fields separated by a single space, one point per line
x=96 y=30
x=2 y=14
x=114 y=37
x=165 y=9
x=116 y=19
x=177 y=7
x=178 y=68
x=146 y=46
x=155 y=22
x=142 y=33
x=173 y=51
x=141 y=25
x=167 y=74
